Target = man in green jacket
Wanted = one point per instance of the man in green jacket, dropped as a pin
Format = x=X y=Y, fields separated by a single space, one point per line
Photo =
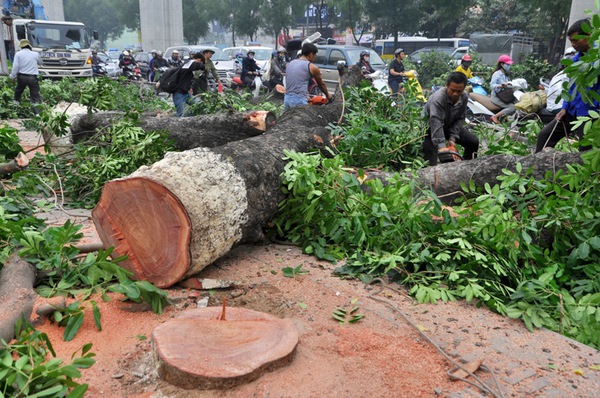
x=202 y=78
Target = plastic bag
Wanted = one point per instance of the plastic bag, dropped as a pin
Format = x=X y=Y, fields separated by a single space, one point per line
x=532 y=102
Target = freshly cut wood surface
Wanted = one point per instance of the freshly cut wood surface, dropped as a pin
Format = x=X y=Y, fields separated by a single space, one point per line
x=197 y=350
x=137 y=216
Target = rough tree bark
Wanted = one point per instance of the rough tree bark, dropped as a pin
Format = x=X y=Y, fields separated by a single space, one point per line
x=179 y=215
x=17 y=296
x=445 y=179
x=189 y=132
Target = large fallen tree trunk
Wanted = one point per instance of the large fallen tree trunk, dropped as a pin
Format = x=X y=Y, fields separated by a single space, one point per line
x=445 y=179
x=17 y=296
x=188 y=132
x=179 y=215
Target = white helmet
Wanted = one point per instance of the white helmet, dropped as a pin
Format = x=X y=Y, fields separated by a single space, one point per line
x=125 y=52
x=569 y=52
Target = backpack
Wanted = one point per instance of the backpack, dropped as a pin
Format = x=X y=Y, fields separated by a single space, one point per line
x=169 y=80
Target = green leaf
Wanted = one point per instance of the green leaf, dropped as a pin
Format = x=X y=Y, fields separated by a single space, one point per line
x=73 y=326
x=52 y=391
x=78 y=392
x=97 y=316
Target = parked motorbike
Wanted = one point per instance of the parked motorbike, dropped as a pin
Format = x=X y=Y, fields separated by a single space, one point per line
x=132 y=72
x=476 y=83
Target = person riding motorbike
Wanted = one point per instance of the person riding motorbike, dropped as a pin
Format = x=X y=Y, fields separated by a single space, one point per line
x=397 y=76
x=175 y=61
x=127 y=60
x=250 y=69
x=277 y=69
x=498 y=83
x=365 y=64
x=159 y=65
x=465 y=66
x=554 y=102
x=97 y=63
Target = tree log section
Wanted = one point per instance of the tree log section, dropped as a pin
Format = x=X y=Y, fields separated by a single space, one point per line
x=445 y=179
x=179 y=215
x=188 y=132
x=17 y=164
x=199 y=350
x=17 y=296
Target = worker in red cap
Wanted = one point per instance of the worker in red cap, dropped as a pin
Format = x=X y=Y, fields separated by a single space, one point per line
x=465 y=66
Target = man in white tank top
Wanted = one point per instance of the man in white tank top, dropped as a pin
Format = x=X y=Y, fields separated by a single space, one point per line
x=299 y=74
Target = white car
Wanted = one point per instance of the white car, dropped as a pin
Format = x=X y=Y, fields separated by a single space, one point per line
x=111 y=64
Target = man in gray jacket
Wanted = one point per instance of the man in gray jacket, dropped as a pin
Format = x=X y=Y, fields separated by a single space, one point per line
x=446 y=110
x=25 y=70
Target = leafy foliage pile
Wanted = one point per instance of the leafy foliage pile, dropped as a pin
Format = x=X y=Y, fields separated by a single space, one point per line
x=26 y=371
x=526 y=248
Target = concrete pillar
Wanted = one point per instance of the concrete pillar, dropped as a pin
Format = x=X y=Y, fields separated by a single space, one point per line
x=161 y=23
x=578 y=8
x=54 y=9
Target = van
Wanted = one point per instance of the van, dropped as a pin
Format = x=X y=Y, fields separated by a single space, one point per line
x=329 y=55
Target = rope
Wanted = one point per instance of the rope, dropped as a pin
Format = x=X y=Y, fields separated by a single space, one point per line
x=494 y=391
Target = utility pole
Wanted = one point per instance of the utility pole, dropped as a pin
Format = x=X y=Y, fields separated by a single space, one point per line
x=161 y=23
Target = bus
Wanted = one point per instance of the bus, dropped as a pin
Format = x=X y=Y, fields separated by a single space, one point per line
x=386 y=48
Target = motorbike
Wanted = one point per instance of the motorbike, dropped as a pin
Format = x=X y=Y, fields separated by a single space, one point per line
x=476 y=83
x=99 y=70
x=158 y=73
x=481 y=107
x=132 y=72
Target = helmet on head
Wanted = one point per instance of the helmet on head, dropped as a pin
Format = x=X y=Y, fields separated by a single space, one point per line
x=153 y=51
x=251 y=52
x=505 y=59
x=159 y=53
x=208 y=50
x=175 y=52
x=466 y=58
x=364 y=52
x=94 y=52
x=274 y=54
x=281 y=50
x=570 y=52
x=239 y=54
x=125 y=52
x=398 y=51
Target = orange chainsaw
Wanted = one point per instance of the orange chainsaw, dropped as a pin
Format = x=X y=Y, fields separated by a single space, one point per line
x=318 y=100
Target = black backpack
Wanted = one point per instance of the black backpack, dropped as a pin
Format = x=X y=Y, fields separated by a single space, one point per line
x=169 y=80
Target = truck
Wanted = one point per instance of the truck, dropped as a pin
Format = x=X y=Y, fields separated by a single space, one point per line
x=64 y=47
x=492 y=46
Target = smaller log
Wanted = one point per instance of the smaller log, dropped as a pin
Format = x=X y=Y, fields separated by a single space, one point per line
x=17 y=164
x=17 y=296
x=204 y=349
x=188 y=132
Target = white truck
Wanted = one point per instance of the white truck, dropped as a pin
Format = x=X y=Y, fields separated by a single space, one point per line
x=64 y=47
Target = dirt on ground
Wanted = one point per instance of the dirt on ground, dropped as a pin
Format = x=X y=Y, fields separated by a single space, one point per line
x=385 y=354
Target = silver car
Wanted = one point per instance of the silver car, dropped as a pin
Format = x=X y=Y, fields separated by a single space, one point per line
x=111 y=65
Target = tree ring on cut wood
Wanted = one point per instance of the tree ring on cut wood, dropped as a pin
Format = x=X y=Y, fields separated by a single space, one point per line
x=149 y=225
x=196 y=350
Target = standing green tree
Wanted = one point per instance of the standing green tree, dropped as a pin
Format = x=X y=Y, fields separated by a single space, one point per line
x=278 y=15
x=99 y=15
x=353 y=16
x=441 y=18
x=392 y=17
x=195 y=21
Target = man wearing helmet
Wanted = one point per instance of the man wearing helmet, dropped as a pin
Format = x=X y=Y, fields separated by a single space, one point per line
x=175 y=61
x=249 y=69
x=562 y=126
x=277 y=69
x=157 y=63
x=126 y=60
x=365 y=63
x=396 y=76
x=465 y=66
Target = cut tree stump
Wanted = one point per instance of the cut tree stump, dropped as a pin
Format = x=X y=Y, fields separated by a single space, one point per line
x=181 y=214
x=188 y=132
x=17 y=296
x=199 y=350
x=17 y=164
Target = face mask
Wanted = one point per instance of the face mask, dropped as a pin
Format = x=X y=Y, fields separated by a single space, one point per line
x=506 y=67
x=251 y=56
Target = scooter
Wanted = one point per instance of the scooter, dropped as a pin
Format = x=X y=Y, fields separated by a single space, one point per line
x=132 y=72
x=481 y=107
x=99 y=70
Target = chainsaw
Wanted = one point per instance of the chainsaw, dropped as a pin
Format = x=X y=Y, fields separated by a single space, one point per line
x=318 y=100
x=451 y=155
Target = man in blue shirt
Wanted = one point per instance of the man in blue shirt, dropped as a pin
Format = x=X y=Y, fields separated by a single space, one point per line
x=25 y=70
x=561 y=126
